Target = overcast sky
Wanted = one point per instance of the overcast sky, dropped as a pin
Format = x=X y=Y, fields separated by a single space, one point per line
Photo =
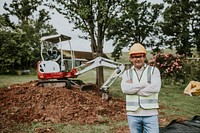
x=63 y=27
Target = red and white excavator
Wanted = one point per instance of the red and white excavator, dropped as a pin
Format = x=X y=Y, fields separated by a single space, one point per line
x=59 y=69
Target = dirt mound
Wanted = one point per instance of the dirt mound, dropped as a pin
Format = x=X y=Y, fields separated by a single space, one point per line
x=28 y=103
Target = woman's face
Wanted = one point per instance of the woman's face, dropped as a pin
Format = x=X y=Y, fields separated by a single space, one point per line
x=138 y=60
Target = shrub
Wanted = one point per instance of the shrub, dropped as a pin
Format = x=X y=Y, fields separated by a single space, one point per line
x=170 y=66
x=191 y=70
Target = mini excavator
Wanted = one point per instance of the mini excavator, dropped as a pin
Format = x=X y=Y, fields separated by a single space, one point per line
x=58 y=70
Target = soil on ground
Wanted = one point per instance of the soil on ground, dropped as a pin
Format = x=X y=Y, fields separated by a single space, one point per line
x=27 y=103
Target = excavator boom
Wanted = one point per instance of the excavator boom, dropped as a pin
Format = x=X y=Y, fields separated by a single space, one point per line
x=100 y=61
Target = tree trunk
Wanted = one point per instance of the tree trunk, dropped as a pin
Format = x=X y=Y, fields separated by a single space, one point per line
x=99 y=73
x=99 y=77
x=97 y=50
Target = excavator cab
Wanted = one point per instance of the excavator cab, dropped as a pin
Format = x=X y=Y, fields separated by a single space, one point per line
x=51 y=70
x=52 y=48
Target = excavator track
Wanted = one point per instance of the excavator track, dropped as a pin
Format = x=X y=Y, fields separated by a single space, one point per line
x=68 y=83
x=54 y=83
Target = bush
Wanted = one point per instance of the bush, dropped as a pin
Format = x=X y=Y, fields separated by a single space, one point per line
x=191 y=70
x=170 y=66
x=176 y=68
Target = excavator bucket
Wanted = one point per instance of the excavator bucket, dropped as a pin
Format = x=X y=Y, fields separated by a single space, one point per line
x=104 y=96
x=87 y=87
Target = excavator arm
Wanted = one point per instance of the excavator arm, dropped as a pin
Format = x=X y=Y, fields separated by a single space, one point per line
x=100 y=61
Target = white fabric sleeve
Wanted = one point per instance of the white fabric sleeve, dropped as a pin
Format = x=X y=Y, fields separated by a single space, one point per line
x=129 y=88
x=154 y=86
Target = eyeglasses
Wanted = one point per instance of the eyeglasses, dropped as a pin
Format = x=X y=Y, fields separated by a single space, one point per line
x=137 y=56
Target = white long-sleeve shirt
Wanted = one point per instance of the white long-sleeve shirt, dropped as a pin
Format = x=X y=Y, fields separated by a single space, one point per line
x=141 y=89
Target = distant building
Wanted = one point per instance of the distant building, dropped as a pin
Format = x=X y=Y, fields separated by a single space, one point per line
x=81 y=55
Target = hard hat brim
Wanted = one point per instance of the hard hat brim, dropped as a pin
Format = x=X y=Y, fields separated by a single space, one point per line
x=130 y=53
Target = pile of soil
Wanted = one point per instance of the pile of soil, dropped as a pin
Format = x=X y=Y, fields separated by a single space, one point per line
x=25 y=103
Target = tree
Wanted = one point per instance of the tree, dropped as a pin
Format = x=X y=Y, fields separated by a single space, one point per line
x=177 y=25
x=8 y=47
x=20 y=47
x=195 y=24
x=136 y=23
x=93 y=18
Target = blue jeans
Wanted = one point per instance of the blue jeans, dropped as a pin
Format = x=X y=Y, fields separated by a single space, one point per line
x=143 y=124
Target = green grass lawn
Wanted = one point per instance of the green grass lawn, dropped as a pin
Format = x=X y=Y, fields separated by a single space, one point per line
x=7 y=80
x=178 y=104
